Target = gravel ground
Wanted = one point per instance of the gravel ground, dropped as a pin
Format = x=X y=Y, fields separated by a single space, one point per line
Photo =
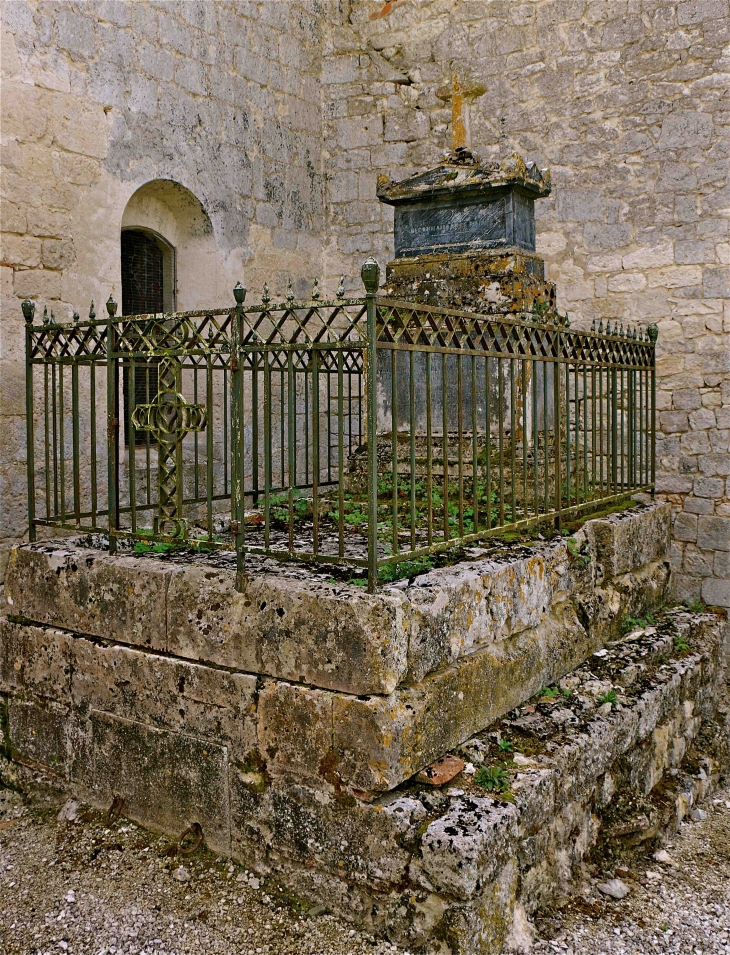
x=85 y=888
x=679 y=906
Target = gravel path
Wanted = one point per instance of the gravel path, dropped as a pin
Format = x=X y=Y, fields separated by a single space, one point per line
x=84 y=888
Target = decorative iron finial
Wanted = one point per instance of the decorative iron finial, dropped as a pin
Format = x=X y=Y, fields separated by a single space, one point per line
x=593 y=326
x=289 y=293
x=635 y=334
x=566 y=320
x=92 y=312
x=608 y=326
x=111 y=306
x=370 y=274
x=28 y=310
x=600 y=326
x=315 y=290
x=341 y=287
x=76 y=318
x=265 y=297
x=211 y=334
x=45 y=314
x=239 y=293
x=53 y=318
x=653 y=332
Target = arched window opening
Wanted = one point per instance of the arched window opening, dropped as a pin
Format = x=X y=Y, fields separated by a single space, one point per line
x=148 y=273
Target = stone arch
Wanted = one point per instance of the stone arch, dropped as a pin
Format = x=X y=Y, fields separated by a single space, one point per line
x=174 y=217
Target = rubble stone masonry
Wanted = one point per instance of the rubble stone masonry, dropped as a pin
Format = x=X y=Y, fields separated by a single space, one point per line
x=278 y=117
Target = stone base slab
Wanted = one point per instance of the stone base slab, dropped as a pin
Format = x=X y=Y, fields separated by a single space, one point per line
x=435 y=870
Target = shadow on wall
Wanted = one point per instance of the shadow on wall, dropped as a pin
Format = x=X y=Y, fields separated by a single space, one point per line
x=171 y=213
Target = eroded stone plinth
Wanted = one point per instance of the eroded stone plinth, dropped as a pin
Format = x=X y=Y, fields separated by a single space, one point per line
x=291 y=720
x=373 y=688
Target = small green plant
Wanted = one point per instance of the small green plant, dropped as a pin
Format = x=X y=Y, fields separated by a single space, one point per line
x=577 y=552
x=629 y=623
x=680 y=643
x=609 y=697
x=279 y=506
x=696 y=605
x=161 y=547
x=494 y=779
x=550 y=692
x=566 y=691
x=506 y=745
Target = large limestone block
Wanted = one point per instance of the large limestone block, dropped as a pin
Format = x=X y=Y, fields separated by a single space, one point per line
x=365 y=843
x=464 y=848
x=376 y=742
x=309 y=631
x=85 y=591
x=189 y=776
x=35 y=660
x=456 y=610
x=625 y=542
x=38 y=734
x=304 y=629
x=137 y=685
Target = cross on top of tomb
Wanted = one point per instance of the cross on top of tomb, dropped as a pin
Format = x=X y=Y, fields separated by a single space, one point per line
x=460 y=93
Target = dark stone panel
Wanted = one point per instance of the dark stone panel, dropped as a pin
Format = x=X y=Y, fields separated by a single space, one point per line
x=189 y=776
x=465 y=223
x=37 y=733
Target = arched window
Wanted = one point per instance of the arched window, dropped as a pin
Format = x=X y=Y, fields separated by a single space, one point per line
x=164 y=226
x=148 y=273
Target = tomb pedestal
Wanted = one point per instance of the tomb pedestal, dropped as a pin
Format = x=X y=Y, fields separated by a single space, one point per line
x=291 y=720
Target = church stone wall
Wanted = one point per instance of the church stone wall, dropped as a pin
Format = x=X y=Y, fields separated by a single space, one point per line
x=627 y=102
x=100 y=98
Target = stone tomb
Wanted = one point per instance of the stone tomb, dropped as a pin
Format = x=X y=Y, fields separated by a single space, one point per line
x=465 y=235
x=291 y=720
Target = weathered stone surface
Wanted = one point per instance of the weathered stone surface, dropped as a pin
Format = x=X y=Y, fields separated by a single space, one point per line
x=374 y=743
x=419 y=863
x=308 y=631
x=323 y=634
x=190 y=774
x=79 y=589
x=165 y=693
x=464 y=848
x=626 y=542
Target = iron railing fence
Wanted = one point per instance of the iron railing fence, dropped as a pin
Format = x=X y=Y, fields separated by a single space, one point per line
x=366 y=432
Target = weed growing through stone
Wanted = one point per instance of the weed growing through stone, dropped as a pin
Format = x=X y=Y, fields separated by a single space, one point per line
x=680 y=643
x=629 y=623
x=695 y=606
x=550 y=692
x=609 y=697
x=506 y=745
x=577 y=552
x=494 y=779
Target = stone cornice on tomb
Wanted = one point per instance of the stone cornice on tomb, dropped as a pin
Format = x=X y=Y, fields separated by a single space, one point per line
x=463 y=173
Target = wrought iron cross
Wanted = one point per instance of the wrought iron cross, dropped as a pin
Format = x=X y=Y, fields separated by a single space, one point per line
x=169 y=418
